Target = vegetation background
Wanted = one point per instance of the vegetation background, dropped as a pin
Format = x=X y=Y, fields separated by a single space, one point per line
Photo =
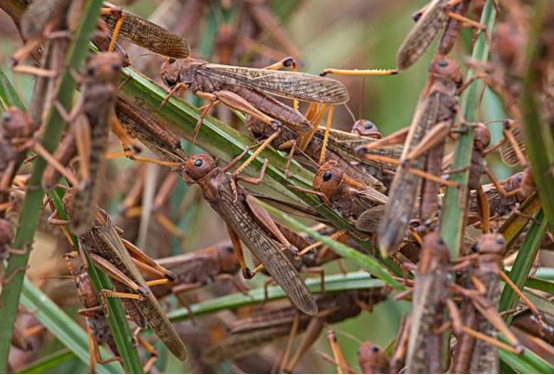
x=339 y=34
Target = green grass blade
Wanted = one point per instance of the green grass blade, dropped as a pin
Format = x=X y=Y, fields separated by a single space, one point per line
x=526 y=363
x=62 y=326
x=333 y=283
x=48 y=363
x=33 y=201
x=8 y=95
x=540 y=284
x=523 y=263
x=452 y=221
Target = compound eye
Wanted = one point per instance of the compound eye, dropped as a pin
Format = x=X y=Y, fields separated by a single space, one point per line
x=443 y=63
x=169 y=81
x=500 y=241
x=327 y=176
x=197 y=167
x=6 y=117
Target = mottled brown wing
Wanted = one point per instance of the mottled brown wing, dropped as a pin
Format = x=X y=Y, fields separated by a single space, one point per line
x=150 y=36
x=183 y=264
x=405 y=186
x=422 y=34
x=106 y=238
x=237 y=216
x=239 y=345
x=371 y=198
x=285 y=84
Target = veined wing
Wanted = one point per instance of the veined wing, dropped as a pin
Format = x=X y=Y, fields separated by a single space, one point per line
x=183 y=264
x=371 y=197
x=285 y=84
x=422 y=34
x=150 y=36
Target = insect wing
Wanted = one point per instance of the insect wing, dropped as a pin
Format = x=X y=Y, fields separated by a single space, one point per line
x=291 y=85
x=149 y=35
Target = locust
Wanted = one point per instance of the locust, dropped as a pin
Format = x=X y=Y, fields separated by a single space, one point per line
x=434 y=114
x=336 y=150
x=91 y=120
x=15 y=138
x=16 y=133
x=447 y=15
x=429 y=301
x=250 y=90
x=480 y=314
x=97 y=322
x=154 y=135
x=249 y=223
x=117 y=258
x=350 y=197
x=371 y=358
x=199 y=268
x=144 y=33
x=250 y=333
x=6 y=237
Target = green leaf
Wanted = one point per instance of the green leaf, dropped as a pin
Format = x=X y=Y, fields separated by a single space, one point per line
x=526 y=363
x=48 y=362
x=8 y=95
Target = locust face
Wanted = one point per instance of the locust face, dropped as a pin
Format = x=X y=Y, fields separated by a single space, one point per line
x=199 y=166
x=328 y=178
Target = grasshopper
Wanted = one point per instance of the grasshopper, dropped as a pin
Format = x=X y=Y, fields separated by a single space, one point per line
x=113 y=255
x=433 y=117
x=371 y=358
x=16 y=131
x=92 y=116
x=160 y=140
x=199 y=268
x=345 y=194
x=144 y=33
x=248 y=89
x=481 y=318
x=336 y=150
x=97 y=322
x=249 y=333
x=250 y=223
x=430 y=293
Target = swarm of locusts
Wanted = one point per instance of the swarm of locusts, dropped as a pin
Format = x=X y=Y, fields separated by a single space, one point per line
x=207 y=210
